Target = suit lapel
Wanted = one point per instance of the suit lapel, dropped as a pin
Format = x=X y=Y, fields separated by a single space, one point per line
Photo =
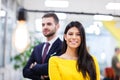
x=53 y=49
x=40 y=51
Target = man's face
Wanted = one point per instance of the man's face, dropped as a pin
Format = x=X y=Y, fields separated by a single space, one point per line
x=49 y=27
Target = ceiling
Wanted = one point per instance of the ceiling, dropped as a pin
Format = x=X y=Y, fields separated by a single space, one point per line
x=79 y=6
x=88 y=6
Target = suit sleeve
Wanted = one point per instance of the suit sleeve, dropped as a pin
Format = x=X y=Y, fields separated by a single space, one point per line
x=27 y=72
x=53 y=70
x=40 y=69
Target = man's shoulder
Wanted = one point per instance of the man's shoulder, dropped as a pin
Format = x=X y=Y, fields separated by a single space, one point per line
x=39 y=45
x=114 y=56
x=58 y=40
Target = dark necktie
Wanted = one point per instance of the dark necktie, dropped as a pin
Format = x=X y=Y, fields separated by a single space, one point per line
x=45 y=51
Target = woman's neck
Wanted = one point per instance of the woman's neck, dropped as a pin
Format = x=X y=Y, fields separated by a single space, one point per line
x=71 y=54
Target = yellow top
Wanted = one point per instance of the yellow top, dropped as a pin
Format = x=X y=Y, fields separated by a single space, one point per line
x=64 y=69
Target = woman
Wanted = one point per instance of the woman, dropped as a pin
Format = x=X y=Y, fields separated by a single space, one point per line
x=75 y=63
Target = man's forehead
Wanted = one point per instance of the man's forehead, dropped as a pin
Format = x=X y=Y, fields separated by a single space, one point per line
x=49 y=19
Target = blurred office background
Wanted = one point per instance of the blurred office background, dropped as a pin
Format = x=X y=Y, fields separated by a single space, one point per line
x=100 y=20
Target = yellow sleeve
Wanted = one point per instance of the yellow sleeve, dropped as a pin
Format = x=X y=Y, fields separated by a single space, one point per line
x=53 y=69
x=97 y=68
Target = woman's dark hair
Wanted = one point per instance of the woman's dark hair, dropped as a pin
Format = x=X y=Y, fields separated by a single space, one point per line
x=85 y=62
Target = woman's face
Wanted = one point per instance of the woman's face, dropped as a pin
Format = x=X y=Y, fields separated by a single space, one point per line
x=73 y=38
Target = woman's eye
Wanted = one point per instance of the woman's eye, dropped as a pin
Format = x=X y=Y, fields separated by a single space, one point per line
x=70 y=34
x=78 y=34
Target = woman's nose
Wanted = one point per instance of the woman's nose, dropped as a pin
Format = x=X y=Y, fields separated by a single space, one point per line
x=74 y=36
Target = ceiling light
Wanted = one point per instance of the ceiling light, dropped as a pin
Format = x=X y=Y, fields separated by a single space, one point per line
x=113 y=6
x=103 y=17
x=56 y=3
x=21 y=38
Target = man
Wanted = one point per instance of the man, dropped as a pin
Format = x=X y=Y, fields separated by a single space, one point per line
x=116 y=63
x=37 y=68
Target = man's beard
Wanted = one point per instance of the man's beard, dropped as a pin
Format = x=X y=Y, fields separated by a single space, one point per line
x=49 y=35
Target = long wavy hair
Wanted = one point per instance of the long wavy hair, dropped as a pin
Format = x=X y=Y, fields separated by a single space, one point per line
x=85 y=62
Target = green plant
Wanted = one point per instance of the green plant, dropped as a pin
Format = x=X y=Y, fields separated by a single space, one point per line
x=20 y=60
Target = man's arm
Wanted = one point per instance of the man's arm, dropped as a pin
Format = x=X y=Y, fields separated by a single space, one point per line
x=27 y=72
x=40 y=69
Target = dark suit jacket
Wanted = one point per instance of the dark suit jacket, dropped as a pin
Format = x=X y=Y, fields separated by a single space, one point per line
x=36 y=56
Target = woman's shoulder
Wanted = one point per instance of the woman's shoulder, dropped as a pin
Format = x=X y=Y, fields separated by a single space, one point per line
x=94 y=57
x=54 y=57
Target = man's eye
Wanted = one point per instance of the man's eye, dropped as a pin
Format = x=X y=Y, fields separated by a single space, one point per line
x=43 y=24
x=49 y=24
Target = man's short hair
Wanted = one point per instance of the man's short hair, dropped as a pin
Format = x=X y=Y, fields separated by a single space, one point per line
x=56 y=19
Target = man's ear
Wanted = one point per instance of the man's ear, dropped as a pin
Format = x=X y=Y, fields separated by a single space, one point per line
x=58 y=26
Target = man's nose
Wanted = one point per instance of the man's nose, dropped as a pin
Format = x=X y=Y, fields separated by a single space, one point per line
x=45 y=26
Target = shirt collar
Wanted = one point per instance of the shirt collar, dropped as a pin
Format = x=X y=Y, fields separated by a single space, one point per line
x=53 y=40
